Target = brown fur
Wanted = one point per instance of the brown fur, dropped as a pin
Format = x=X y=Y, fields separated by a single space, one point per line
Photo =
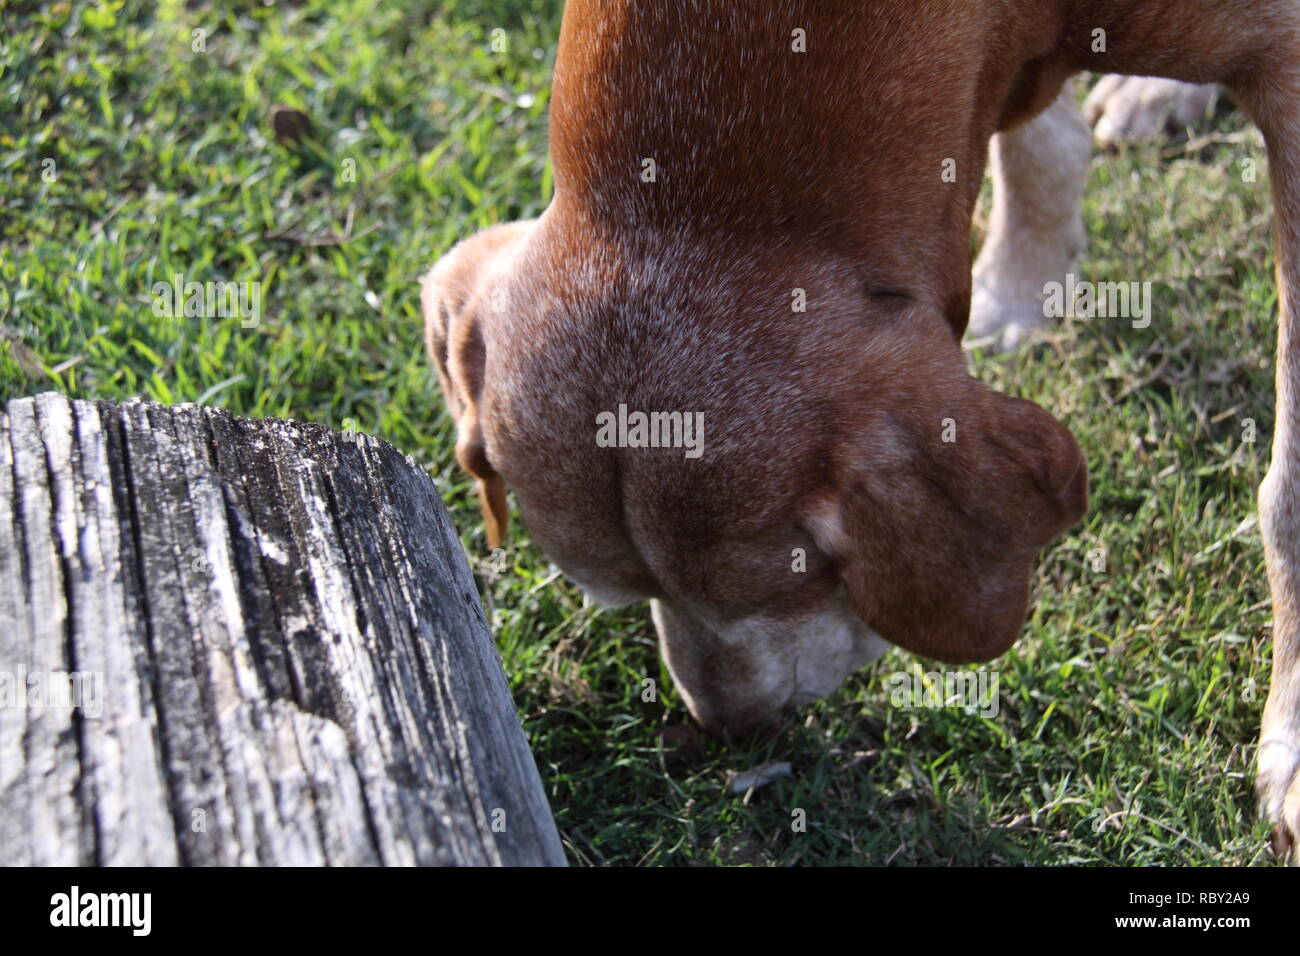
x=825 y=429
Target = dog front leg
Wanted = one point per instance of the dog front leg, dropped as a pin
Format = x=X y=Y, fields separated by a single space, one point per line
x=1036 y=230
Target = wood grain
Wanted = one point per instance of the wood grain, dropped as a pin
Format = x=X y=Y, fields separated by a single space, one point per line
x=292 y=663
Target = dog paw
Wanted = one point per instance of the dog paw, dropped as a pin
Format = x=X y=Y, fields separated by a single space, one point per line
x=1010 y=283
x=1003 y=315
x=1278 y=784
x=1135 y=108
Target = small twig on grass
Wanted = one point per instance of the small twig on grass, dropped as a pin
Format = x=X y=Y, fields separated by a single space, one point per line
x=324 y=239
x=287 y=234
x=1197 y=143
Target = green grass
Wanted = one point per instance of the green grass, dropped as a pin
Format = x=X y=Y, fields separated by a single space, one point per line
x=1127 y=724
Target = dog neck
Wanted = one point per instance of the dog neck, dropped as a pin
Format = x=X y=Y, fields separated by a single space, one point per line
x=725 y=123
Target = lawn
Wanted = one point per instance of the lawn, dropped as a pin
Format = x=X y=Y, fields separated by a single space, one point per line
x=136 y=144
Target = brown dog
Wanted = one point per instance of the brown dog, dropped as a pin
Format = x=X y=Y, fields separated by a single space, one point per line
x=757 y=256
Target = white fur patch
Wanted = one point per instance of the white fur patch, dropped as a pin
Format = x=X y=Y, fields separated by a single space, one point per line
x=1036 y=231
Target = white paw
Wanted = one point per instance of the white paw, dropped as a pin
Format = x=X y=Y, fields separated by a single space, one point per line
x=1004 y=312
x=1135 y=108
x=1011 y=281
x=1278 y=784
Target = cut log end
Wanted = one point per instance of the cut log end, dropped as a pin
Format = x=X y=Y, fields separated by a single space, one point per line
x=226 y=641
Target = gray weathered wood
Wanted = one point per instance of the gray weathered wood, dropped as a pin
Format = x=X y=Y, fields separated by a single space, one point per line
x=292 y=660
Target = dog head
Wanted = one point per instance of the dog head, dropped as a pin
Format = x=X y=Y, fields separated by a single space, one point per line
x=851 y=479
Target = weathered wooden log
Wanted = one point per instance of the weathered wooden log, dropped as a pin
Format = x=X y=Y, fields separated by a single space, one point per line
x=226 y=641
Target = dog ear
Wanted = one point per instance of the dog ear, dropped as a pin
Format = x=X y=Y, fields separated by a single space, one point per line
x=454 y=304
x=935 y=541
x=491 y=487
